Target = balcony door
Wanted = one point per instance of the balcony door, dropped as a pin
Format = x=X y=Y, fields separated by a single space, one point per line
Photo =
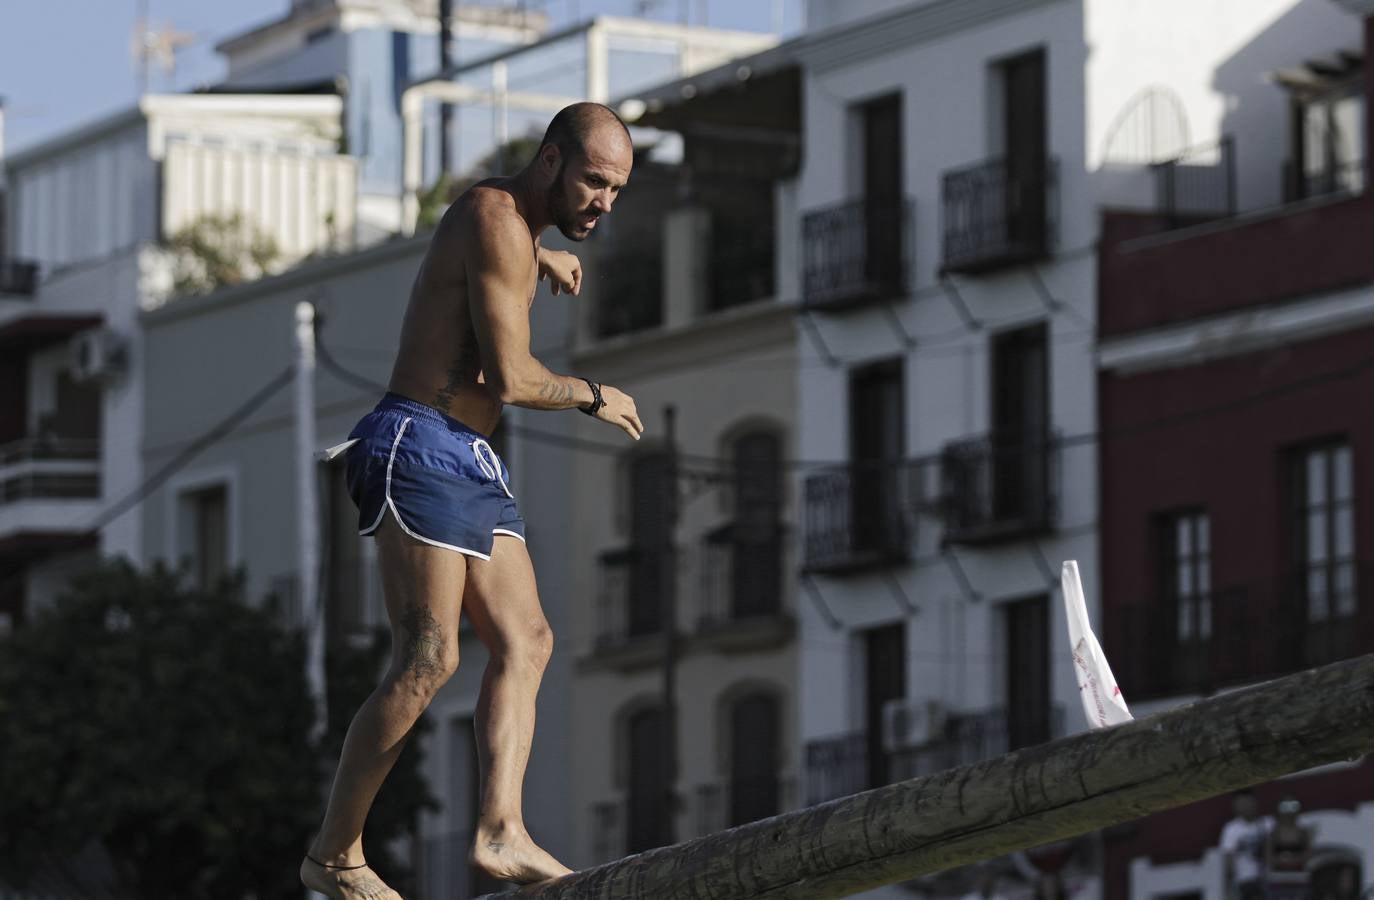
x=884 y=652
x=882 y=191
x=1028 y=672
x=1020 y=425
x=651 y=485
x=755 y=736
x=1323 y=511
x=646 y=803
x=756 y=567
x=1025 y=151
x=876 y=446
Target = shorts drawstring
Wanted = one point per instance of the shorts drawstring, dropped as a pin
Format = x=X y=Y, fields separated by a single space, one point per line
x=490 y=464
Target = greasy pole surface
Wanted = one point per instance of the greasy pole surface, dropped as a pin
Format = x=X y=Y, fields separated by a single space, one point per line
x=1057 y=790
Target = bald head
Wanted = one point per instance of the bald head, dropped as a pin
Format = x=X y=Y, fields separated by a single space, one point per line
x=581 y=125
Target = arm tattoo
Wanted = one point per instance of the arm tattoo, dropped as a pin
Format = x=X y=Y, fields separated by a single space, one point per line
x=557 y=393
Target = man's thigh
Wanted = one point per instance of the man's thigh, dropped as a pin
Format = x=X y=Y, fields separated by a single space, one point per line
x=423 y=587
x=501 y=597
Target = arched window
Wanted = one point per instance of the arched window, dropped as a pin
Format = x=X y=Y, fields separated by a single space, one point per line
x=755 y=761
x=646 y=798
x=756 y=540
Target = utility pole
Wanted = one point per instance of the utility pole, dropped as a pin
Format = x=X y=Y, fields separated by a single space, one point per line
x=445 y=63
x=307 y=513
x=668 y=585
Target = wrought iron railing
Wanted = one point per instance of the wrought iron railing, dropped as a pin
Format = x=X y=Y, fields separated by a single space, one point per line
x=631 y=594
x=999 y=214
x=629 y=293
x=49 y=469
x=999 y=487
x=1333 y=177
x=1199 y=185
x=856 y=517
x=857 y=252
x=1233 y=635
x=841 y=765
x=836 y=767
x=18 y=276
x=740 y=575
x=735 y=801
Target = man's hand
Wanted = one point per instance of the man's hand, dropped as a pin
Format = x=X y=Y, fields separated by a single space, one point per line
x=562 y=269
x=619 y=409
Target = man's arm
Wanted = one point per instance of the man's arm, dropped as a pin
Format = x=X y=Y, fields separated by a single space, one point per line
x=499 y=257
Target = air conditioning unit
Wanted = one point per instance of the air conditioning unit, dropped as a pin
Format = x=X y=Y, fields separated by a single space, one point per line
x=910 y=723
x=97 y=355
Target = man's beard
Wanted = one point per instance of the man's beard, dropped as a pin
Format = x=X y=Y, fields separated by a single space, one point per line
x=568 y=221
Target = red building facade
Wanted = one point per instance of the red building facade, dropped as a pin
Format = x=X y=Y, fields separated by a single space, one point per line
x=1236 y=396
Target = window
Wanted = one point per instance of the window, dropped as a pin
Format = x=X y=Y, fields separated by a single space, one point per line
x=1329 y=141
x=882 y=189
x=884 y=650
x=755 y=545
x=877 y=443
x=1020 y=425
x=207 y=513
x=1324 y=531
x=755 y=739
x=1028 y=672
x=647 y=810
x=1186 y=574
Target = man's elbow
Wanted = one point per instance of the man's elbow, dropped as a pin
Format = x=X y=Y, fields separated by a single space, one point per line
x=508 y=389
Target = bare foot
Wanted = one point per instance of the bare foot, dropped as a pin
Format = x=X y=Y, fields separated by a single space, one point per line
x=510 y=854
x=345 y=884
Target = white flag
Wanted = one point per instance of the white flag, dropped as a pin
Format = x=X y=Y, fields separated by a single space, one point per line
x=1102 y=700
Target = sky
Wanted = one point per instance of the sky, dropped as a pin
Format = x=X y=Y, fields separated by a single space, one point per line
x=67 y=62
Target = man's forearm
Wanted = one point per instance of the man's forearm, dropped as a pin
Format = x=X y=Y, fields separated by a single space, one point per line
x=542 y=389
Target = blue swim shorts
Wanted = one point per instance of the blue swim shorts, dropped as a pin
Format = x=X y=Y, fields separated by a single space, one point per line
x=440 y=479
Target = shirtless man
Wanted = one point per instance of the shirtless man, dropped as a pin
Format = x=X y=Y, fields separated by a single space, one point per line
x=436 y=497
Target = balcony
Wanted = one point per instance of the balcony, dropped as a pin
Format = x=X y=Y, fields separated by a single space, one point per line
x=1199 y=185
x=840 y=766
x=855 y=253
x=740 y=588
x=994 y=218
x=48 y=485
x=630 y=606
x=999 y=488
x=736 y=801
x=855 y=518
x=629 y=292
x=1241 y=634
x=1332 y=177
x=18 y=276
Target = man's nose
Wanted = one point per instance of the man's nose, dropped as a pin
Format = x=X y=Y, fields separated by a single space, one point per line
x=602 y=202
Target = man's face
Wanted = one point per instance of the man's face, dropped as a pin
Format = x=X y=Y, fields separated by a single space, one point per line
x=1246 y=807
x=585 y=188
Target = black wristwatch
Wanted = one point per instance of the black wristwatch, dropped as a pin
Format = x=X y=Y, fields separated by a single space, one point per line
x=597 y=402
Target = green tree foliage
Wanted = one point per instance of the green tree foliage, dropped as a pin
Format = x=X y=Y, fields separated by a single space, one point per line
x=172 y=726
x=218 y=250
x=507 y=159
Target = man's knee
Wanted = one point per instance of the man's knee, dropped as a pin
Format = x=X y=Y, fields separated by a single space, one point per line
x=531 y=646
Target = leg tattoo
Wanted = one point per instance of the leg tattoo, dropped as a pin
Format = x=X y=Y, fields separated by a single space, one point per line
x=422 y=642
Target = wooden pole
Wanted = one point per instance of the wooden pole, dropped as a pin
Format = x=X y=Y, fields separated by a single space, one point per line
x=1027 y=798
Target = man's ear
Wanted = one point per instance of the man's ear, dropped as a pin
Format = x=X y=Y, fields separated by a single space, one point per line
x=549 y=158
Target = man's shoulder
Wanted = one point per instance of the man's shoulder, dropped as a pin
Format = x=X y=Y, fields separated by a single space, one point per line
x=486 y=221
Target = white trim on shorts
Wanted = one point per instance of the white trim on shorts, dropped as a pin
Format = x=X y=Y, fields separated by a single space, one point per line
x=514 y=534
x=396 y=513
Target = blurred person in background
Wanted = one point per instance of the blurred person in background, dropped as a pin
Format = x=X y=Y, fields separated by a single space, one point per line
x=1242 y=846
